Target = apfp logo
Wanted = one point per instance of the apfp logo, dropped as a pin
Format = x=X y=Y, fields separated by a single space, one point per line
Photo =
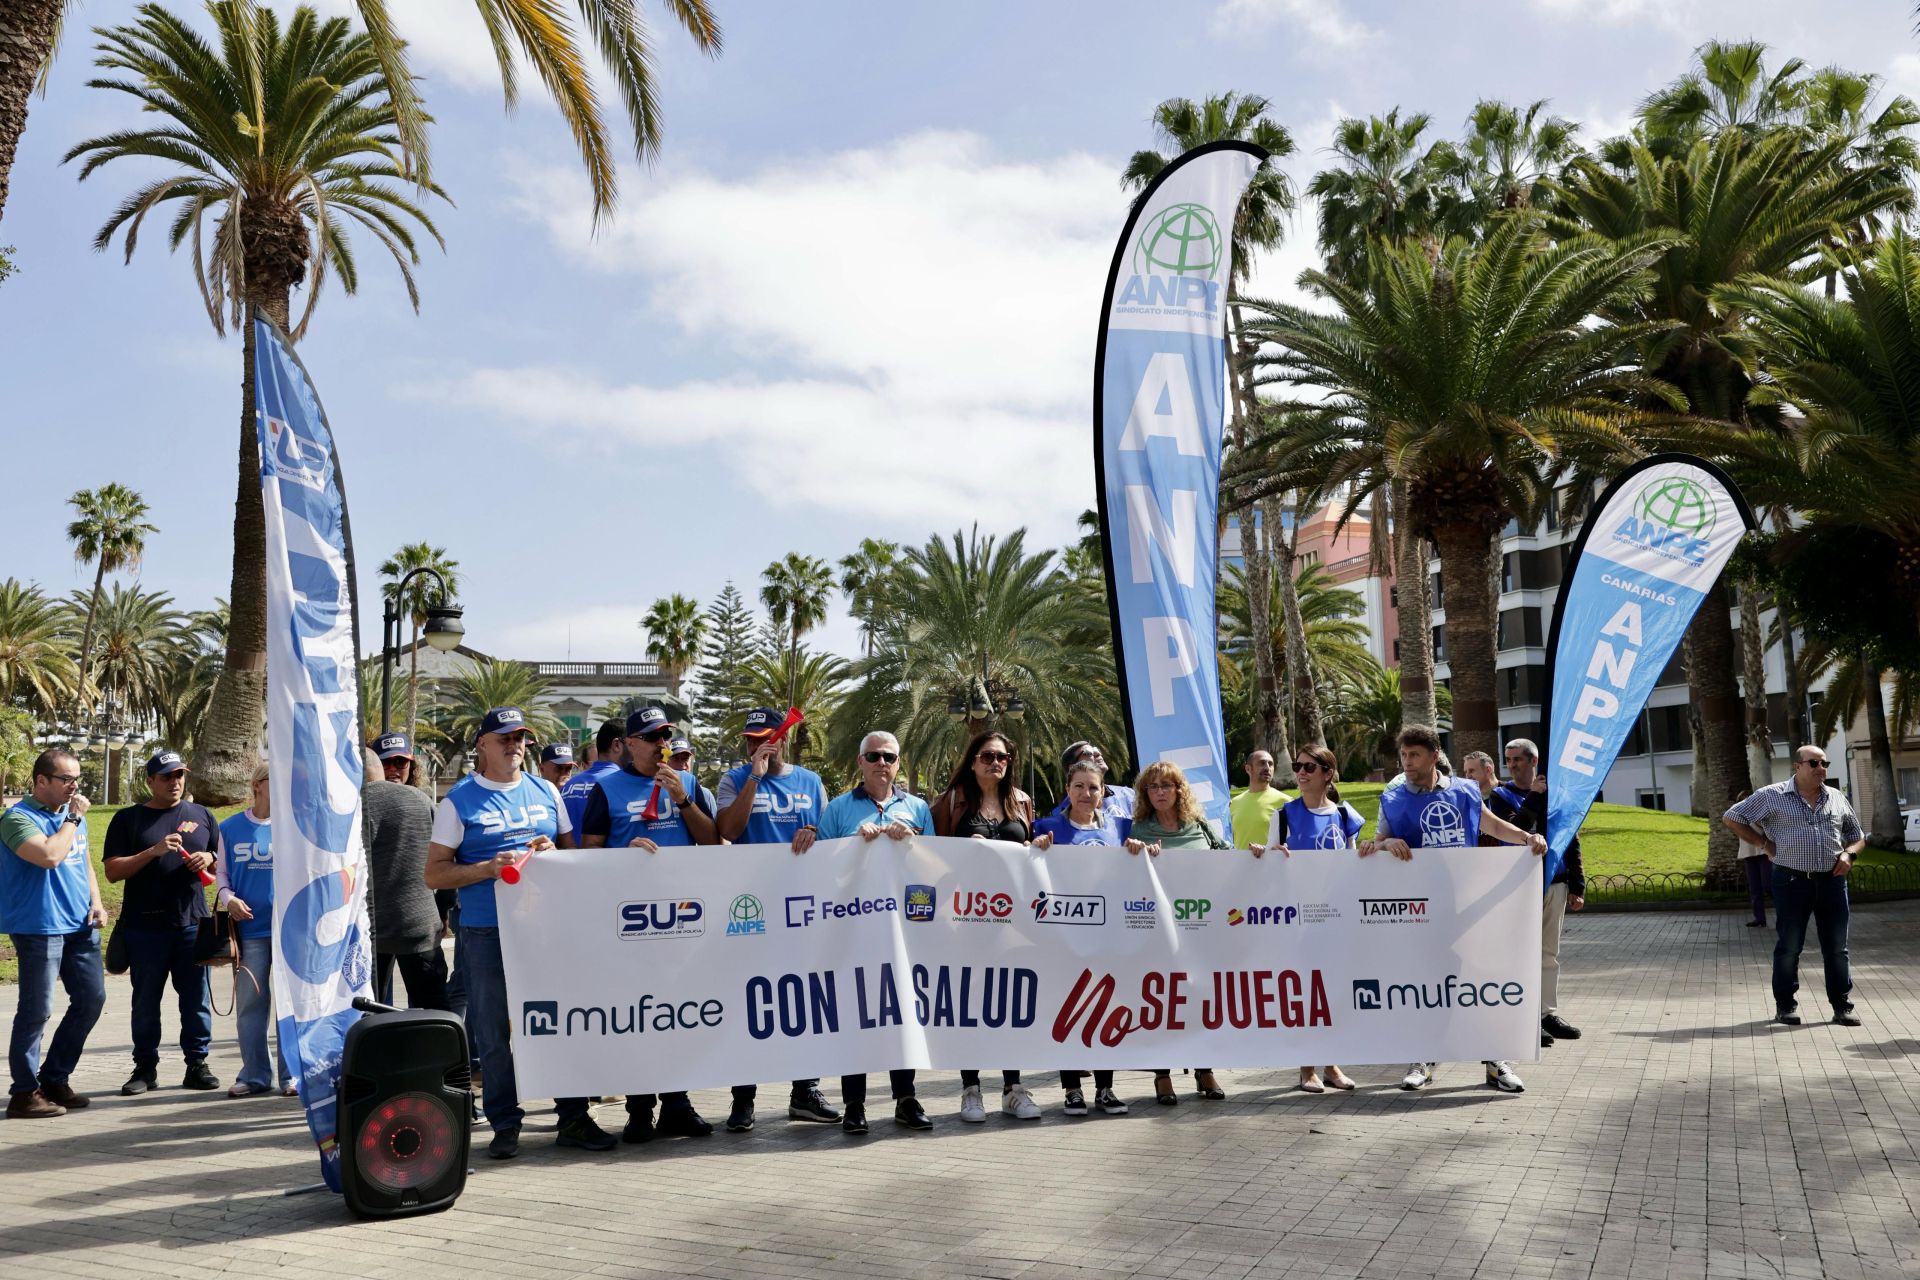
x=1673 y=516
x=541 y=1017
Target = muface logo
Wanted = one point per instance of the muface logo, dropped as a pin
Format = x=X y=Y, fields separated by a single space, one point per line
x=1262 y=915
x=1069 y=908
x=663 y=918
x=803 y=909
x=1672 y=516
x=982 y=907
x=541 y=1017
x=1366 y=993
x=745 y=917
x=1441 y=826
x=1451 y=992
x=1191 y=912
x=919 y=903
x=1394 y=910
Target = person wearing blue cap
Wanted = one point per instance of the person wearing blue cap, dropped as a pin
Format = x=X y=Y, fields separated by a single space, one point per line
x=644 y=804
x=490 y=820
x=609 y=745
x=159 y=849
x=556 y=763
x=768 y=801
x=396 y=758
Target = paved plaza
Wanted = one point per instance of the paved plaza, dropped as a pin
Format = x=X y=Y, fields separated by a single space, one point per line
x=1685 y=1136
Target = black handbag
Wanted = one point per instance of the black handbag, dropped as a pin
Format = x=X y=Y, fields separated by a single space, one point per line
x=215 y=944
x=118 y=961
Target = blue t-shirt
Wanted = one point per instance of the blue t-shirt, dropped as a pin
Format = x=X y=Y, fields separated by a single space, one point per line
x=781 y=805
x=44 y=900
x=492 y=820
x=847 y=812
x=1118 y=801
x=249 y=847
x=1111 y=831
x=1447 y=817
x=617 y=808
x=577 y=788
x=1306 y=829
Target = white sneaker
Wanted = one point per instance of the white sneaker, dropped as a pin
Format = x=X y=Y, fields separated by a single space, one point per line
x=1418 y=1076
x=1500 y=1076
x=972 y=1110
x=1019 y=1104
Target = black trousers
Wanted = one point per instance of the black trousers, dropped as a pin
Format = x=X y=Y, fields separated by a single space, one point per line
x=641 y=1104
x=971 y=1079
x=853 y=1089
x=748 y=1092
x=1071 y=1079
x=423 y=973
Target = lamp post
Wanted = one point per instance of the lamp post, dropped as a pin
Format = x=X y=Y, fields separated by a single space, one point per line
x=443 y=631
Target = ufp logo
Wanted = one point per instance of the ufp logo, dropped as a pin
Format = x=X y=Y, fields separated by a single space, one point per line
x=1191 y=910
x=918 y=905
x=1672 y=516
x=541 y=1017
x=745 y=916
x=663 y=918
x=1069 y=908
x=1262 y=915
x=1366 y=993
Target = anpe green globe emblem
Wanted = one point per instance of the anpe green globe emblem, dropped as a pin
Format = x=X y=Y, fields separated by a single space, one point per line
x=1180 y=240
x=745 y=916
x=1678 y=504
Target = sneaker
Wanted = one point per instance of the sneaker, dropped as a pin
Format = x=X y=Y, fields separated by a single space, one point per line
x=139 y=1082
x=1500 y=1076
x=972 y=1109
x=740 y=1118
x=33 y=1106
x=1015 y=1101
x=1559 y=1028
x=584 y=1134
x=1786 y=1016
x=811 y=1105
x=1846 y=1017
x=854 y=1123
x=63 y=1095
x=639 y=1128
x=505 y=1144
x=682 y=1122
x=1418 y=1076
x=910 y=1113
x=1076 y=1103
x=1109 y=1103
x=199 y=1077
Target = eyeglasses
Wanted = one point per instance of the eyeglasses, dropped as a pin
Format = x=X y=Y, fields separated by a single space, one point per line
x=995 y=757
x=67 y=779
x=1160 y=786
x=1306 y=766
x=882 y=757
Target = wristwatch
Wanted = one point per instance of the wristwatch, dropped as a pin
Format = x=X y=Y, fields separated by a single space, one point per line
x=72 y=819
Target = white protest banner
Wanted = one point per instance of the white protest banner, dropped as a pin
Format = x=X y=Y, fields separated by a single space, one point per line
x=699 y=967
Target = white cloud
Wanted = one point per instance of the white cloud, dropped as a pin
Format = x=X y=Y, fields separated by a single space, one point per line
x=1323 y=22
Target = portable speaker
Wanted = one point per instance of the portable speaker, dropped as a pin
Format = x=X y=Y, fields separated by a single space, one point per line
x=405 y=1113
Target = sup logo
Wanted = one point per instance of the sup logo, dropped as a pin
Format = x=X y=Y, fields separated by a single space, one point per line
x=1180 y=240
x=541 y=1017
x=1673 y=516
x=1442 y=827
x=292 y=456
x=745 y=916
x=1366 y=993
x=663 y=918
x=919 y=904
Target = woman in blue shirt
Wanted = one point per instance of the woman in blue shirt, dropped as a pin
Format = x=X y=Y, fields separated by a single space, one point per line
x=245 y=877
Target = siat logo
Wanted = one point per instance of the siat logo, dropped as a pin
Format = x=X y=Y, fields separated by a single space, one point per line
x=1673 y=516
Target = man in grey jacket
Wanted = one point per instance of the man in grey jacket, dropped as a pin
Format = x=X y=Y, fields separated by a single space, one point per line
x=397 y=823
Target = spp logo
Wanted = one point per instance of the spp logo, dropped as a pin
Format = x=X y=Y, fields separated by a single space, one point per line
x=919 y=903
x=541 y=1017
x=745 y=916
x=1069 y=908
x=1366 y=993
x=246 y=853
x=979 y=905
x=1192 y=911
x=1394 y=910
x=1262 y=915
x=663 y=918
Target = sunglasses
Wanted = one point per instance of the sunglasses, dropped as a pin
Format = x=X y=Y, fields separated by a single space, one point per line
x=1814 y=764
x=881 y=757
x=1306 y=766
x=995 y=757
x=658 y=735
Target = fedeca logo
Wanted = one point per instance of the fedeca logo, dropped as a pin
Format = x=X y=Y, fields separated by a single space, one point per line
x=919 y=904
x=1393 y=910
x=1069 y=908
x=745 y=917
x=1262 y=915
x=663 y=918
x=981 y=907
x=1673 y=517
x=1451 y=992
x=541 y=1017
x=803 y=909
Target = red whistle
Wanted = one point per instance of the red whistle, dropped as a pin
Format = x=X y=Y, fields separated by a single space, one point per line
x=793 y=718
x=205 y=879
x=510 y=874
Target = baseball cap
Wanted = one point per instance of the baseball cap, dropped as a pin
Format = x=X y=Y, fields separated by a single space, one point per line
x=647 y=720
x=762 y=721
x=502 y=720
x=393 y=746
x=165 y=760
x=679 y=746
x=560 y=752
x=1074 y=752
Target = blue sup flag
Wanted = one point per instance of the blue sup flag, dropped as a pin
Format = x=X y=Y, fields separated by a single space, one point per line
x=321 y=950
x=1159 y=408
x=1655 y=543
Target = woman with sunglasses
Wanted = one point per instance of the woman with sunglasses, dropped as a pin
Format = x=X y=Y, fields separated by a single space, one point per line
x=1166 y=816
x=1317 y=819
x=982 y=802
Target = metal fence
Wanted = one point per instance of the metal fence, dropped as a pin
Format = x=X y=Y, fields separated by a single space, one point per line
x=1639 y=891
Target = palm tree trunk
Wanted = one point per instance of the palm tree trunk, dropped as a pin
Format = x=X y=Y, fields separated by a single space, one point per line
x=1306 y=690
x=1753 y=674
x=86 y=634
x=1259 y=583
x=26 y=42
x=1884 y=818
x=1710 y=667
x=793 y=667
x=1417 y=702
x=1470 y=649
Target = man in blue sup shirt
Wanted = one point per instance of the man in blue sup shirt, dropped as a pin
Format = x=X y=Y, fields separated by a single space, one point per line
x=610 y=748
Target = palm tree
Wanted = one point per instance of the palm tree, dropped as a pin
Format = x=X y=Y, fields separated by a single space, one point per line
x=36 y=662
x=794 y=590
x=29 y=30
x=463 y=702
x=676 y=628
x=1508 y=160
x=192 y=670
x=1333 y=638
x=863 y=579
x=288 y=140
x=1469 y=376
x=1728 y=87
x=815 y=681
x=110 y=532
x=1366 y=715
x=139 y=631
x=423 y=593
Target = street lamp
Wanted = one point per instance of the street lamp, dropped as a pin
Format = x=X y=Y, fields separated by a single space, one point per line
x=443 y=631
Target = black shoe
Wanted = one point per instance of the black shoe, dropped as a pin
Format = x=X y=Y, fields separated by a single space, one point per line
x=1787 y=1016
x=139 y=1082
x=1559 y=1028
x=910 y=1113
x=505 y=1144
x=1846 y=1017
x=682 y=1122
x=639 y=1128
x=1546 y=1041
x=199 y=1077
x=855 y=1121
x=740 y=1119
x=1756 y=924
x=811 y=1105
x=584 y=1134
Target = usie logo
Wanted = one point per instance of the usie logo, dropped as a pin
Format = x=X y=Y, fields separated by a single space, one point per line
x=1069 y=908
x=541 y=1017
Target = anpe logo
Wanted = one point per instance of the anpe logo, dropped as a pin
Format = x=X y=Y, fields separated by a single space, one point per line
x=663 y=918
x=1442 y=827
x=1191 y=911
x=982 y=907
x=803 y=909
x=1366 y=993
x=1069 y=908
x=1180 y=240
x=919 y=903
x=745 y=916
x=1263 y=915
x=1451 y=992
x=541 y=1017
x=1393 y=910
x=1672 y=516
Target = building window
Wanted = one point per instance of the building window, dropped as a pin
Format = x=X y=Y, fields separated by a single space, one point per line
x=1439 y=644
x=1909 y=787
x=1393 y=596
x=1651 y=800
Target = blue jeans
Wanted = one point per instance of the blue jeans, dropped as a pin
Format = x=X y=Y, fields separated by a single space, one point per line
x=1822 y=897
x=253 y=1010
x=156 y=956
x=72 y=959
x=490 y=1026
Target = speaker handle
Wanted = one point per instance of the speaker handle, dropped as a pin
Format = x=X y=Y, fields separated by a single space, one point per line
x=364 y=1005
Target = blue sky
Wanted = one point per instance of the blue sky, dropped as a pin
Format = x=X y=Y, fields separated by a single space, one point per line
x=856 y=297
